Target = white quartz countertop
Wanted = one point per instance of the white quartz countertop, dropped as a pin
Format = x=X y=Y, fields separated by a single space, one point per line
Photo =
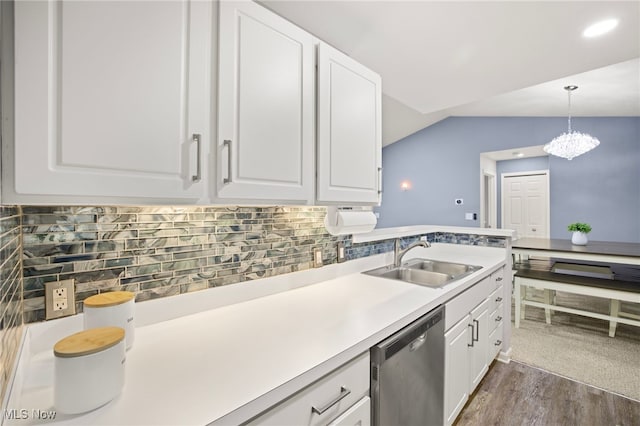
x=228 y=364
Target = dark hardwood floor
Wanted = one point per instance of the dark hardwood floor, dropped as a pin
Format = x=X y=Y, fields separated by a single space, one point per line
x=517 y=394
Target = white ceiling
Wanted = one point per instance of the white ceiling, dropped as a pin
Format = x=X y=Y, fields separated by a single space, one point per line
x=482 y=58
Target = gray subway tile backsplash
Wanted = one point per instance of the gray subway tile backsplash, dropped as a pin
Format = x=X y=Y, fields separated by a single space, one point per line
x=11 y=307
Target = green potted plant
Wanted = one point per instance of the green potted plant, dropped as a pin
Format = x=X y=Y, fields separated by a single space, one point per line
x=580 y=231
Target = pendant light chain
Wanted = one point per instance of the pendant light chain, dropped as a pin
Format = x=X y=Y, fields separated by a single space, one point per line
x=569 y=114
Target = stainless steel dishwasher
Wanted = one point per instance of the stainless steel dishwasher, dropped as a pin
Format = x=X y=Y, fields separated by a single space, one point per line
x=407 y=374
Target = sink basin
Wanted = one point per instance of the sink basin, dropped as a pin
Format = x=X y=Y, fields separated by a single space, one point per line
x=453 y=269
x=426 y=272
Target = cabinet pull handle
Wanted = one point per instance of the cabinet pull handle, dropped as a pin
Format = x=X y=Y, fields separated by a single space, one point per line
x=472 y=327
x=227 y=143
x=379 y=180
x=498 y=299
x=343 y=394
x=498 y=343
x=498 y=319
x=499 y=279
x=477 y=330
x=198 y=175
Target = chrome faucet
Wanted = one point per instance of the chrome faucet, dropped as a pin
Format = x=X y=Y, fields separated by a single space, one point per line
x=399 y=254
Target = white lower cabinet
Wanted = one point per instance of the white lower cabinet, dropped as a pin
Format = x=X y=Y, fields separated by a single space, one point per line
x=341 y=397
x=473 y=339
x=479 y=349
x=456 y=369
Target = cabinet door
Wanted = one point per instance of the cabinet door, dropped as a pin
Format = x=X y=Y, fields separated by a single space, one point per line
x=108 y=96
x=456 y=382
x=266 y=106
x=349 y=130
x=480 y=349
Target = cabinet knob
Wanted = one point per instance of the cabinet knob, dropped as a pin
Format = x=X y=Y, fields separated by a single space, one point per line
x=498 y=343
x=499 y=279
x=498 y=319
x=498 y=299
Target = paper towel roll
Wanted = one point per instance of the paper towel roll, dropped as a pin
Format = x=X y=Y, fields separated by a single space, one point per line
x=341 y=222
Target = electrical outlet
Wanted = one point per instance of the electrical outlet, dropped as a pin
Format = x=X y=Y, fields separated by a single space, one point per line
x=59 y=304
x=59 y=298
x=60 y=293
x=317 y=257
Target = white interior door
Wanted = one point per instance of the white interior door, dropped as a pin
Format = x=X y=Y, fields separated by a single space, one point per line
x=525 y=203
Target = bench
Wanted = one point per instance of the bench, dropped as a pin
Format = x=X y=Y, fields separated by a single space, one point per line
x=540 y=275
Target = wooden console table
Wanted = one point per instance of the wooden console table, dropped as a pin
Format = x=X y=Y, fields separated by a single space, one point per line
x=532 y=270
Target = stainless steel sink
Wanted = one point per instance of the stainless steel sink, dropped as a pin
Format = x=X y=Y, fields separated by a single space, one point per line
x=427 y=272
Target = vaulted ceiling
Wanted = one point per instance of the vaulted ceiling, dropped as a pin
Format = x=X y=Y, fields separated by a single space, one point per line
x=479 y=58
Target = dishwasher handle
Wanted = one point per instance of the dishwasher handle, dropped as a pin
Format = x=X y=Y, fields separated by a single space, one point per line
x=418 y=342
x=344 y=392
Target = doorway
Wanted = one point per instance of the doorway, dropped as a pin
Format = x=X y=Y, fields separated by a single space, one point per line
x=525 y=203
x=489 y=214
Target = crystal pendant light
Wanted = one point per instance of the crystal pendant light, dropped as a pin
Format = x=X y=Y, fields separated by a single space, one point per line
x=571 y=144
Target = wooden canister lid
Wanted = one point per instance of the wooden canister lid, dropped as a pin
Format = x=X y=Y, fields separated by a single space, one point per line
x=111 y=298
x=88 y=342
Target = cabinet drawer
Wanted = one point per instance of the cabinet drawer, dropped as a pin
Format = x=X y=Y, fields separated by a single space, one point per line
x=495 y=341
x=352 y=377
x=496 y=317
x=461 y=305
x=358 y=415
x=498 y=277
x=496 y=298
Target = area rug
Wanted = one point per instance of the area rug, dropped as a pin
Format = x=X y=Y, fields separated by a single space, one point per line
x=580 y=348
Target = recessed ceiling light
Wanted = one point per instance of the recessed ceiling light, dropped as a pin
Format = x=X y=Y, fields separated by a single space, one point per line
x=600 y=28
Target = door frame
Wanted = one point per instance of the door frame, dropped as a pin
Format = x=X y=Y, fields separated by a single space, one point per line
x=527 y=173
x=488 y=200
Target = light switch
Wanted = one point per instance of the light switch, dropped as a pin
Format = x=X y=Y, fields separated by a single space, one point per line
x=340 y=250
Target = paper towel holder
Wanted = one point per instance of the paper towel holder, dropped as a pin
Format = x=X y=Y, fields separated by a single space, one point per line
x=349 y=220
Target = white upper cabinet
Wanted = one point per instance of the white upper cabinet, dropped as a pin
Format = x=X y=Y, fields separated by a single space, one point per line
x=265 y=107
x=108 y=98
x=349 y=130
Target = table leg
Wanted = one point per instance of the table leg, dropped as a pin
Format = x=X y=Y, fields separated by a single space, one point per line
x=518 y=301
x=547 y=300
x=615 y=309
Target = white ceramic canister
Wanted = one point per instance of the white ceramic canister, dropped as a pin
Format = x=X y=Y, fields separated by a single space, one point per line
x=88 y=369
x=115 y=308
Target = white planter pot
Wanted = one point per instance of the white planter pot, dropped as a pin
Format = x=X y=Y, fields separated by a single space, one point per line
x=579 y=238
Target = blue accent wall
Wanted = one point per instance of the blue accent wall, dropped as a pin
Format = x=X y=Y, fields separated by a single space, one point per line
x=442 y=162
